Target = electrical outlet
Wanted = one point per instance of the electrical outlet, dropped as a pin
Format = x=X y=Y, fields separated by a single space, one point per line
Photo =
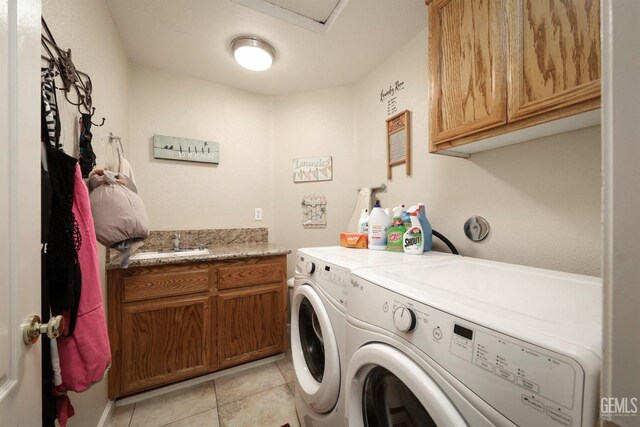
x=258 y=214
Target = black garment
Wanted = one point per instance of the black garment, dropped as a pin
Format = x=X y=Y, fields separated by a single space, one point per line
x=49 y=116
x=87 y=158
x=63 y=268
x=49 y=412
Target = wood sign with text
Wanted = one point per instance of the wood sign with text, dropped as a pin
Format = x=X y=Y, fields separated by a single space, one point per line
x=188 y=150
x=399 y=141
x=313 y=169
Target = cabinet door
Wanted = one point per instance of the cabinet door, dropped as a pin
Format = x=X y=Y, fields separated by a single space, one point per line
x=164 y=341
x=554 y=56
x=251 y=323
x=467 y=69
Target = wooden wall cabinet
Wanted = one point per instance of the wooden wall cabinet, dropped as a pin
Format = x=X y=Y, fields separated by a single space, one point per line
x=497 y=66
x=168 y=323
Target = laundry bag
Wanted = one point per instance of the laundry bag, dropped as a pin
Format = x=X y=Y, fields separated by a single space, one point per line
x=118 y=211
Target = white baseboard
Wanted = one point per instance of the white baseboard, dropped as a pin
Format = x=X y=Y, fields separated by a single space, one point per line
x=191 y=382
x=109 y=408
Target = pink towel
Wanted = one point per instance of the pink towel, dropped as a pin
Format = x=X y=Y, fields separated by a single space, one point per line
x=85 y=356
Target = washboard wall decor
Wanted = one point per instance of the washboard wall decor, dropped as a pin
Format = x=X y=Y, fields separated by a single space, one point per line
x=399 y=141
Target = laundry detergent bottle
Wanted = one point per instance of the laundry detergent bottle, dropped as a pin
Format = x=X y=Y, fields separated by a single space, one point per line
x=379 y=223
x=413 y=240
x=426 y=227
x=395 y=235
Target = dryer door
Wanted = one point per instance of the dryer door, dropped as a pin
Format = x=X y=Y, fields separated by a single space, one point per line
x=314 y=350
x=387 y=388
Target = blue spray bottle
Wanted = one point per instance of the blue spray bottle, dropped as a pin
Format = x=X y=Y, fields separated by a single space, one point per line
x=426 y=227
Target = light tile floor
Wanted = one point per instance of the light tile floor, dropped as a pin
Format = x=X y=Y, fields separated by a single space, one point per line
x=261 y=396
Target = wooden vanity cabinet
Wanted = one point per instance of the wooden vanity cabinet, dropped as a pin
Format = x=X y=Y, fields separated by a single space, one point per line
x=497 y=66
x=251 y=321
x=172 y=322
x=164 y=341
x=249 y=324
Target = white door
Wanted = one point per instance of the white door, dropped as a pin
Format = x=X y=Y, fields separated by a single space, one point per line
x=20 y=395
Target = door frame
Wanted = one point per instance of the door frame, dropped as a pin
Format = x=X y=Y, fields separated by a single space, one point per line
x=621 y=210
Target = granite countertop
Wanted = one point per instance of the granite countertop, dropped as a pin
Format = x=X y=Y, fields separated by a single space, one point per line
x=230 y=251
x=222 y=244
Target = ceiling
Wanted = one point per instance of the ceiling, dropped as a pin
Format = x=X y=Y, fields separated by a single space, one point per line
x=319 y=43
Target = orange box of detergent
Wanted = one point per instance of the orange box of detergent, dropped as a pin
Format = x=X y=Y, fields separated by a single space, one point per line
x=354 y=240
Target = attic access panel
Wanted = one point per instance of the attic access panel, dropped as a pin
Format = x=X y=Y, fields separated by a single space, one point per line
x=317 y=15
x=318 y=10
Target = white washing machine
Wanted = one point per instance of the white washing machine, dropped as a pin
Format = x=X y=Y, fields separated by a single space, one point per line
x=465 y=342
x=318 y=323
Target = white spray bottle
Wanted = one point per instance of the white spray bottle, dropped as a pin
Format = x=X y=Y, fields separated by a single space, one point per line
x=413 y=240
x=397 y=211
x=363 y=222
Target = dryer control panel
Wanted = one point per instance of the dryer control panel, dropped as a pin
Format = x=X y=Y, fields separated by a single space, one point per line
x=331 y=279
x=530 y=385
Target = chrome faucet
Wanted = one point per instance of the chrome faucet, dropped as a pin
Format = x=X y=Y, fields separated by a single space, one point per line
x=176 y=241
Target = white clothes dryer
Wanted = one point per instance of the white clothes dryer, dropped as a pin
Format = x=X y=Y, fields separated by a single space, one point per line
x=465 y=342
x=318 y=325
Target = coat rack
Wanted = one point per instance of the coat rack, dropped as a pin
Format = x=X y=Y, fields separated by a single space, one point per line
x=77 y=85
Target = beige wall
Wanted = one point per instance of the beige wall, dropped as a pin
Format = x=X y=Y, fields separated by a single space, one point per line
x=259 y=138
x=541 y=198
x=182 y=195
x=312 y=124
x=87 y=29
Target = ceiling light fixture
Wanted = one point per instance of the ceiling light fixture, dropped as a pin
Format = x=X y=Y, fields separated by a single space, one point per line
x=253 y=53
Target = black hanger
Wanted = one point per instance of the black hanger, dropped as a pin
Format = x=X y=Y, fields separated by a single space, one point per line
x=77 y=85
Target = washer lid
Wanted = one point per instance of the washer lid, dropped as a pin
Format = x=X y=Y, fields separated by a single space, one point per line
x=515 y=299
x=360 y=258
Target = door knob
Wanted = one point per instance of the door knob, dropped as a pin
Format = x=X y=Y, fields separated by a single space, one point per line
x=33 y=328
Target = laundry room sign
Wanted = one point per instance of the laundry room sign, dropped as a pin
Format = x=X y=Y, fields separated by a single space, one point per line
x=313 y=169
x=390 y=96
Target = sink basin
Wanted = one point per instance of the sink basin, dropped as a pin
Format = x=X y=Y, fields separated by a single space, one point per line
x=170 y=254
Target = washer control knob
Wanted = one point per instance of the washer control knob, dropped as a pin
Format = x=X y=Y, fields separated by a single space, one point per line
x=405 y=319
x=437 y=334
x=311 y=267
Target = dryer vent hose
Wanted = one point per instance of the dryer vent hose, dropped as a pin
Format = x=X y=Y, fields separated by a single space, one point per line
x=446 y=242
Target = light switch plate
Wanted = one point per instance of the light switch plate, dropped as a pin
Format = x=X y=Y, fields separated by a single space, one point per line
x=258 y=214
